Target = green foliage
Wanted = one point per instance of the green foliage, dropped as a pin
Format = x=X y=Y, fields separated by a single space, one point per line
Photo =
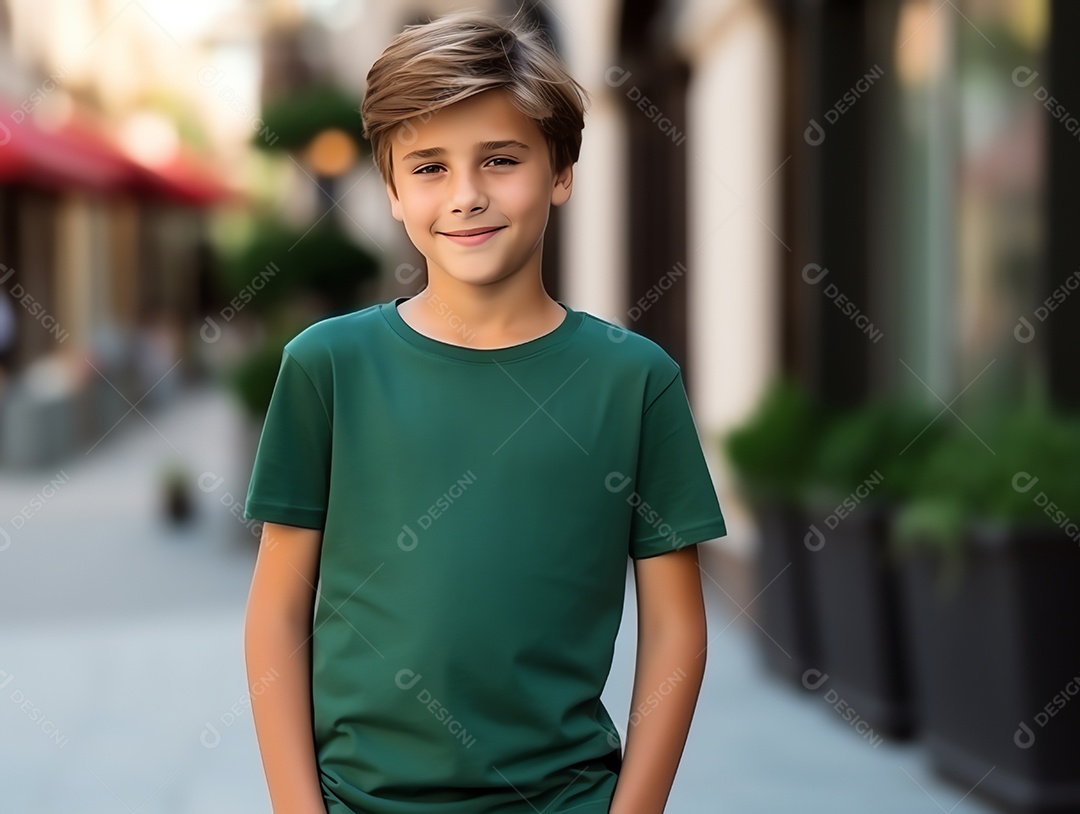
x=878 y=437
x=298 y=117
x=253 y=378
x=269 y=273
x=772 y=451
x=1026 y=470
x=279 y=262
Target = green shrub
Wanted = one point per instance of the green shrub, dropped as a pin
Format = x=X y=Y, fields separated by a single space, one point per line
x=253 y=378
x=882 y=439
x=279 y=261
x=1029 y=465
x=772 y=452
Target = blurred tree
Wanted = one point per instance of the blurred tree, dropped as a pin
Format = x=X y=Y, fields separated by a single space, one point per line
x=279 y=261
x=298 y=117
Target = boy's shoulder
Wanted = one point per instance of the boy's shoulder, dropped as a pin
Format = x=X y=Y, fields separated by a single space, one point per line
x=318 y=342
x=618 y=345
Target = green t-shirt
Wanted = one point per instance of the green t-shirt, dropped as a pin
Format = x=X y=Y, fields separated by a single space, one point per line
x=478 y=510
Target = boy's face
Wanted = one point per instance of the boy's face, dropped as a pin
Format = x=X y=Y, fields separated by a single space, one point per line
x=468 y=186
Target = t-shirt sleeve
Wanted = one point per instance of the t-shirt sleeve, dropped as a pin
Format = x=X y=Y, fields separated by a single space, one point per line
x=675 y=503
x=290 y=477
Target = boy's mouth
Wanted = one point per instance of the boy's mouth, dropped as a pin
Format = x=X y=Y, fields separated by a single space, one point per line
x=482 y=230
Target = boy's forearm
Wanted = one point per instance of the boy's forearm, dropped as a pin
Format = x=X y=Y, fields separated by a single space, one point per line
x=670 y=668
x=282 y=711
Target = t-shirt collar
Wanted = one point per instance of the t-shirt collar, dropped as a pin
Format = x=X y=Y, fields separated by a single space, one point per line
x=483 y=355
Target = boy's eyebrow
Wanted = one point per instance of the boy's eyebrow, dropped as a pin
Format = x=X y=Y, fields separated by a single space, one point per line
x=483 y=146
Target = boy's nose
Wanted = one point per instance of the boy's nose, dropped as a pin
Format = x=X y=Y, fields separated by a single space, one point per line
x=467 y=194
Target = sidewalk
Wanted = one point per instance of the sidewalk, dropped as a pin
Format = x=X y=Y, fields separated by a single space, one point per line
x=122 y=681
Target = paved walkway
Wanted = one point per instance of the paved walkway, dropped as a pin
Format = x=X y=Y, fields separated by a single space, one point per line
x=122 y=682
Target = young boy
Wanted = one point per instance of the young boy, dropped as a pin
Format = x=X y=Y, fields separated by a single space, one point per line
x=465 y=473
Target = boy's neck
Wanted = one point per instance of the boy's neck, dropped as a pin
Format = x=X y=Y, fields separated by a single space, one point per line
x=483 y=318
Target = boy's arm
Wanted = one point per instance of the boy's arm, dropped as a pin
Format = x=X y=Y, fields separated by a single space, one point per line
x=671 y=652
x=277 y=647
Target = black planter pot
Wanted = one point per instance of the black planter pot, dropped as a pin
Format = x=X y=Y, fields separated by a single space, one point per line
x=861 y=637
x=997 y=657
x=785 y=608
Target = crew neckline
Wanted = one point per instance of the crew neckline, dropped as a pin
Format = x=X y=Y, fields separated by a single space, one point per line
x=533 y=346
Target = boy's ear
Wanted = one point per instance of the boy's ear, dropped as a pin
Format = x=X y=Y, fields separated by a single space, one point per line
x=395 y=204
x=564 y=184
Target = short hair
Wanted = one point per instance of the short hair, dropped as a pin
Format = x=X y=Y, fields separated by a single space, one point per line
x=429 y=66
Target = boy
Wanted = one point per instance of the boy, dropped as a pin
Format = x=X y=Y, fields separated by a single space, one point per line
x=466 y=472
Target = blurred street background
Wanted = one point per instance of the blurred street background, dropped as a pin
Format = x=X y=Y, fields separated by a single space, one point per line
x=852 y=223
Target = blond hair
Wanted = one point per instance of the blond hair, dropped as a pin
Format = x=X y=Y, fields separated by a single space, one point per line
x=432 y=65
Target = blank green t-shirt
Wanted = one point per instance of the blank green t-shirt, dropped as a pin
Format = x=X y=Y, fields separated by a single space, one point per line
x=478 y=510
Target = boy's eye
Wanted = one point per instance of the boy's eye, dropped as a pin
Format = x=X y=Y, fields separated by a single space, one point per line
x=422 y=170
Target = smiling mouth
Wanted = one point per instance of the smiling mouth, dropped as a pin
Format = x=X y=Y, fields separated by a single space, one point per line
x=472 y=232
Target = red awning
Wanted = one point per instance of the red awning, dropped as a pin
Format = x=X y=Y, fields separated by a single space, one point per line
x=78 y=156
x=53 y=160
x=183 y=180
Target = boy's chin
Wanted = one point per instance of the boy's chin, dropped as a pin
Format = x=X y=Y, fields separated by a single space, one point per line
x=472 y=276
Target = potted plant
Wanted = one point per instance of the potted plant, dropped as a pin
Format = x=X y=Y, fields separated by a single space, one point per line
x=866 y=461
x=770 y=454
x=991 y=569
